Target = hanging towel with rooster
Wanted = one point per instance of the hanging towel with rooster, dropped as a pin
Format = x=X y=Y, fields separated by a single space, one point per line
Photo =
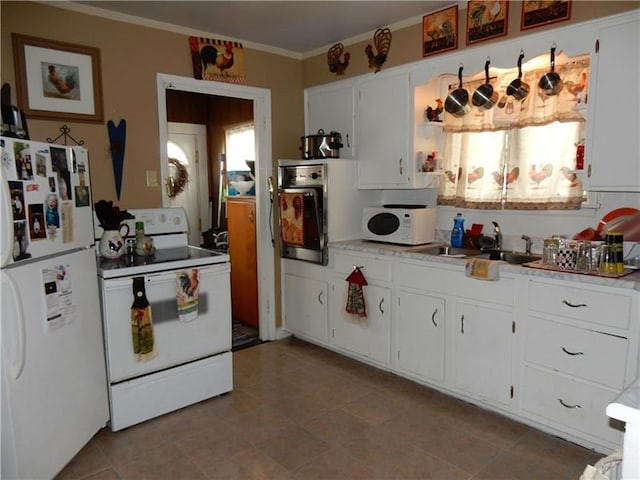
x=187 y=283
x=356 y=304
x=141 y=323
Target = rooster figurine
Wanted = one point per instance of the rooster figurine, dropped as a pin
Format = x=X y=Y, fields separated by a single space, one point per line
x=333 y=59
x=433 y=114
x=382 y=42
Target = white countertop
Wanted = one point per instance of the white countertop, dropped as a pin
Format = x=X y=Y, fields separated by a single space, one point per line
x=626 y=406
x=631 y=281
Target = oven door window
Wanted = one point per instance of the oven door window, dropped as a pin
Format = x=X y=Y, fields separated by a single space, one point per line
x=301 y=218
x=383 y=224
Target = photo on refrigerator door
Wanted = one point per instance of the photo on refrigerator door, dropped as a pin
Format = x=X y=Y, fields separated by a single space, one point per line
x=37 y=229
x=20 y=241
x=17 y=200
x=24 y=167
x=82 y=189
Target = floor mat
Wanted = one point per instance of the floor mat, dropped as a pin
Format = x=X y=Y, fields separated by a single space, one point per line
x=244 y=336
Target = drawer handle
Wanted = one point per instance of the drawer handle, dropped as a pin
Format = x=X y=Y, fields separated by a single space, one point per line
x=380 y=305
x=572 y=305
x=433 y=317
x=320 y=297
x=571 y=353
x=566 y=405
x=462 y=324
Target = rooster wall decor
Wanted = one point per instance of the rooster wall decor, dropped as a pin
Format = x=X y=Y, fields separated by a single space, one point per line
x=336 y=65
x=382 y=42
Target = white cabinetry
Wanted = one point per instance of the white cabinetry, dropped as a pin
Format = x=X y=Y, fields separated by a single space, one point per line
x=612 y=150
x=368 y=337
x=382 y=125
x=482 y=351
x=419 y=333
x=305 y=301
x=578 y=356
x=332 y=108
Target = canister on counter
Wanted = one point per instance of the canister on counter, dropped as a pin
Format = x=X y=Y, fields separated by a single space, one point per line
x=615 y=239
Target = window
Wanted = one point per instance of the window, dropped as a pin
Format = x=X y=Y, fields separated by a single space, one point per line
x=519 y=154
x=240 y=146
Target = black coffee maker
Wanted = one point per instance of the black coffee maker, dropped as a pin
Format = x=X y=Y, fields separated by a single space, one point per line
x=14 y=123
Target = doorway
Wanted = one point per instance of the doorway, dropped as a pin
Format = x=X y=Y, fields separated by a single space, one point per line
x=261 y=99
x=187 y=152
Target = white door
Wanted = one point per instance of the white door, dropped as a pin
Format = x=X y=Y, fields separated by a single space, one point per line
x=54 y=396
x=189 y=142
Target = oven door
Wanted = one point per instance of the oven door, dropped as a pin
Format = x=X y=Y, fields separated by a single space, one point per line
x=176 y=342
x=303 y=224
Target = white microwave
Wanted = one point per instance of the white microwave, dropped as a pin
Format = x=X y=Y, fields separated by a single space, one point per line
x=397 y=223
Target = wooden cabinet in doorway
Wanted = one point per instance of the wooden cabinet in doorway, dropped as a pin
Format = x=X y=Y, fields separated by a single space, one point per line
x=241 y=220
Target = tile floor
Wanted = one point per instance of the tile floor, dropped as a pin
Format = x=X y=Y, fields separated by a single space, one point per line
x=301 y=412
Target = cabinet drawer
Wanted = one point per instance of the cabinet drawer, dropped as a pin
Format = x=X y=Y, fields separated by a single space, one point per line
x=454 y=282
x=558 y=399
x=605 y=308
x=372 y=268
x=590 y=355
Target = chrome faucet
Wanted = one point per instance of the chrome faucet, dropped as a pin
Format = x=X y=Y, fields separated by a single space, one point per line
x=498 y=235
x=527 y=243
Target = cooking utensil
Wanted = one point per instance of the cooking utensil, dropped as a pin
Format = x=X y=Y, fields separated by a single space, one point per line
x=551 y=83
x=456 y=102
x=321 y=145
x=485 y=96
x=517 y=88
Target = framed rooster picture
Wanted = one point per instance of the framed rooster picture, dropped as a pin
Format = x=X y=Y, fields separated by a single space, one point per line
x=440 y=31
x=217 y=60
x=57 y=80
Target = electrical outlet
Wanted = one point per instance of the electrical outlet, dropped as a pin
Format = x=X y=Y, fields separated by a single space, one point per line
x=152 y=178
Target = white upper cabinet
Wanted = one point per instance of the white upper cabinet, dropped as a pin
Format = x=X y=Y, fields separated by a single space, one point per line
x=613 y=127
x=332 y=108
x=382 y=122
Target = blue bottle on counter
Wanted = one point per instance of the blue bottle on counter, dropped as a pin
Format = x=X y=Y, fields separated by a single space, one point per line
x=457 y=234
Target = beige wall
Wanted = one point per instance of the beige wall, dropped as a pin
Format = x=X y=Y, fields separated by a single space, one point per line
x=131 y=56
x=406 y=44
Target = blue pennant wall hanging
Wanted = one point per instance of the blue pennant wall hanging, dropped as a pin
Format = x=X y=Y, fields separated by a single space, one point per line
x=117 y=138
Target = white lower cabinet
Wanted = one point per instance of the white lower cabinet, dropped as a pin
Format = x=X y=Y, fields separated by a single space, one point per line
x=482 y=351
x=420 y=335
x=552 y=353
x=368 y=336
x=578 y=356
x=305 y=302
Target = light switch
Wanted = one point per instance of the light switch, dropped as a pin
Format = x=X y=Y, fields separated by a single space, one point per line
x=152 y=178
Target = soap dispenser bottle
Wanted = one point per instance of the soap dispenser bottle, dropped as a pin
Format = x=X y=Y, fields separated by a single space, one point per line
x=457 y=234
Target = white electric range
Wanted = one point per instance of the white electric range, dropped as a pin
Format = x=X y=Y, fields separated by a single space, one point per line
x=192 y=359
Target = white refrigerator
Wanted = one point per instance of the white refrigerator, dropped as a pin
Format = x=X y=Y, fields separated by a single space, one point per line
x=54 y=388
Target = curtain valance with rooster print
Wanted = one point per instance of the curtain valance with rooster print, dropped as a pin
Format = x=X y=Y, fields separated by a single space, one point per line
x=518 y=154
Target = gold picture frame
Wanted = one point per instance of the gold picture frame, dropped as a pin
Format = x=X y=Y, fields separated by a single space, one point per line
x=57 y=80
x=534 y=16
x=486 y=20
x=440 y=31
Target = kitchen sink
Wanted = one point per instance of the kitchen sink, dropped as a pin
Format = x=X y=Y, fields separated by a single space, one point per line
x=518 y=257
x=446 y=251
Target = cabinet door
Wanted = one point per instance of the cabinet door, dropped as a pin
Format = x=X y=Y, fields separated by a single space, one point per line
x=332 y=110
x=368 y=336
x=613 y=124
x=241 y=222
x=305 y=307
x=483 y=338
x=420 y=335
x=382 y=123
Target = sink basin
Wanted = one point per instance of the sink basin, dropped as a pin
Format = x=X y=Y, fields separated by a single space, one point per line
x=519 y=257
x=446 y=251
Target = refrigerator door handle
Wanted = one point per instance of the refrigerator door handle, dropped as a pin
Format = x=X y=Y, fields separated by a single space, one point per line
x=16 y=366
x=7 y=228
